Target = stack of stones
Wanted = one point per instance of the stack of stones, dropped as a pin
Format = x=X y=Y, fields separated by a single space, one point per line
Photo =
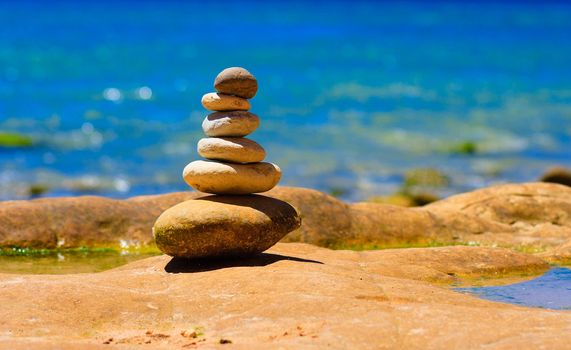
x=232 y=222
x=235 y=165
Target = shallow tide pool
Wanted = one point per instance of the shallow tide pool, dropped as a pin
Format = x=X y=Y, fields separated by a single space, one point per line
x=68 y=262
x=552 y=290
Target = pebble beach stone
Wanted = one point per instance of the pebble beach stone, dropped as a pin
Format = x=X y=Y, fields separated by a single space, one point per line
x=231 y=149
x=230 y=124
x=216 y=226
x=221 y=102
x=229 y=178
x=236 y=81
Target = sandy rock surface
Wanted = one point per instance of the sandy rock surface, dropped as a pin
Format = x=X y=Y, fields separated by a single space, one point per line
x=293 y=296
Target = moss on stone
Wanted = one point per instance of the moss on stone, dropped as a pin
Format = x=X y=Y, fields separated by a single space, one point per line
x=464 y=148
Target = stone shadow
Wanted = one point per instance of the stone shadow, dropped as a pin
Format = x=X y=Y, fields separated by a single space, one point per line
x=184 y=265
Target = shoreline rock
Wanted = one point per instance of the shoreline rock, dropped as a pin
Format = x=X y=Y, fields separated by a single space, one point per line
x=534 y=217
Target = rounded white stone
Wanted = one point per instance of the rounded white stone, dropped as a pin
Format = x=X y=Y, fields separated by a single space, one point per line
x=231 y=149
x=220 y=102
x=230 y=124
x=229 y=178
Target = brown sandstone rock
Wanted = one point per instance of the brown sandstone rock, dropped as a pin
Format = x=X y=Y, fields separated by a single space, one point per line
x=82 y=221
x=558 y=175
x=326 y=220
x=392 y=225
x=536 y=215
x=558 y=255
x=236 y=81
x=293 y=297
x=224 y=226
x=512 y=214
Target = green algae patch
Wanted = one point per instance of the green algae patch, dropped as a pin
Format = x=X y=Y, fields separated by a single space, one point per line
x=15 y=140
x=417 y=188
x=34 y=252
x=556 y=260
x=527 y=248
x=429 y=177
x=405 y=199
x=68 y=261
x=464 y=148
x=497 y=278
x=561 y=262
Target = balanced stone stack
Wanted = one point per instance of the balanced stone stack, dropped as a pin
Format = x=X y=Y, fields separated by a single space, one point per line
x=235 y=165
x=232 y=222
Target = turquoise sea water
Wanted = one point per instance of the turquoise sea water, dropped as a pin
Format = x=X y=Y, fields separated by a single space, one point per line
x=352 y=94
x=552 y=290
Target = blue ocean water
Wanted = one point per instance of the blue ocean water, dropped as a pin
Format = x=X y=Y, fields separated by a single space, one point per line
x=352 y=93
x=552 y=290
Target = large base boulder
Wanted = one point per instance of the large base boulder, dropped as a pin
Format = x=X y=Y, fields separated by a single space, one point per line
x=221 y=226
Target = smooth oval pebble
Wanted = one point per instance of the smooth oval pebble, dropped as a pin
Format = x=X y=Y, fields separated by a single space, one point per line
x=229 y=178
x=236 y=81
x=230 y=124
x=231 y=149
x=220 y=102
x=216 y=226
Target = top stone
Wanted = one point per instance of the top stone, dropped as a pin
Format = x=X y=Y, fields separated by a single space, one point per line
x=236 y=81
